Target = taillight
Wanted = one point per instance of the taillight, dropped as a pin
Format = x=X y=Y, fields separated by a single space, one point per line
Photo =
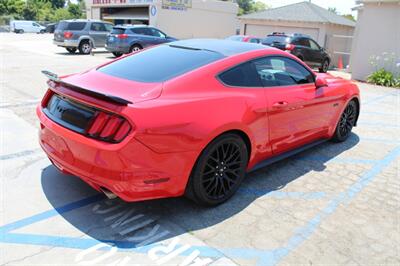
x=122 y=36
x=289 y=47
x=67 y=34
x=109 y=127
x=46 y=98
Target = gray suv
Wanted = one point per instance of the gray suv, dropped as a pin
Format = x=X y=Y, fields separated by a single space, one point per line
x=131 y=38
x=82 y=35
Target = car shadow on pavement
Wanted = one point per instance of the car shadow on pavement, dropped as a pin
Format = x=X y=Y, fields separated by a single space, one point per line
x=130 y=224
x=78 y=54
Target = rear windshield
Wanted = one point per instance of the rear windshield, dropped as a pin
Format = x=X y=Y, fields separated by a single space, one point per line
x=117 y=31
x=64 y=25
x=276 y=39
x=160 y=63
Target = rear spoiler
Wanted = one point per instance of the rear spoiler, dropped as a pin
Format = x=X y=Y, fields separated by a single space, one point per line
x=109 y=98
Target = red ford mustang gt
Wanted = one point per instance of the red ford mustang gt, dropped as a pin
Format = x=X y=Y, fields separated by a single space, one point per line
x=190 y=118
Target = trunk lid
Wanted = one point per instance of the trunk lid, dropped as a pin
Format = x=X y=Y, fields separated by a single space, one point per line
x=100 y=83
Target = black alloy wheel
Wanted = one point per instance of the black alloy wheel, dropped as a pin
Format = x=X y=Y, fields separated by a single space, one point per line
x=220 y=170
x=346 y=122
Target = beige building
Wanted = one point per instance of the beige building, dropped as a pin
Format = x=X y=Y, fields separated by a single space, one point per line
x=330 y=30
x=178 y=18
x=377 y=34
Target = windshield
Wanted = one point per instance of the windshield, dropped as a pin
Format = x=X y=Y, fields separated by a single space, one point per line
x=160 y=63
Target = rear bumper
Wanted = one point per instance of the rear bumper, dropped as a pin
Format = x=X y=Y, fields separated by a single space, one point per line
x=129 y=169
x=67 y=43
x=116 y=48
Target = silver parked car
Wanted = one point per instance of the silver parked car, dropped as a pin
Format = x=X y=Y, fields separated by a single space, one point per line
x=81 y=34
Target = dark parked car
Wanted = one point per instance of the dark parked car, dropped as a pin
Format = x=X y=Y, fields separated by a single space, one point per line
x=81 y=34
x=301 y=46
x=131 y=38
x=244 y=38
x=50 y=28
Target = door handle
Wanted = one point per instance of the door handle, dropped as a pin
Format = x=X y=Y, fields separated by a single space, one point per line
x=280 y=104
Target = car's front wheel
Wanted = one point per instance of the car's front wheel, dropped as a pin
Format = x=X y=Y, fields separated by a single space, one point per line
x=219 y=170
x=346 y=122
x=324 y=67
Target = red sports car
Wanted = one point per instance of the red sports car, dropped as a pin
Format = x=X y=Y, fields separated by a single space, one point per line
x=190 y=118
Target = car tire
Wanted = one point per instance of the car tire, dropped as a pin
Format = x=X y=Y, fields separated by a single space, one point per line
x=346 y=122
x=324 y=67
x=20 y=31
x=85 y=47
x=135 y=48
x=218 y=171
x=71 y=50
x=117 y=54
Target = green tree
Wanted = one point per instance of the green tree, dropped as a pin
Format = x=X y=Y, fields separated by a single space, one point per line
x=61 y=14
x=74 y=10
x=12 y=7
x=57 y=3
x=250 y=6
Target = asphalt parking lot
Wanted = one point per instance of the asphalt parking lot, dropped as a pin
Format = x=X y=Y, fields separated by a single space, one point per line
x=336 y=204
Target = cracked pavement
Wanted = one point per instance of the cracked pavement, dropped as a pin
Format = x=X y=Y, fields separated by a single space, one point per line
x=336 y=204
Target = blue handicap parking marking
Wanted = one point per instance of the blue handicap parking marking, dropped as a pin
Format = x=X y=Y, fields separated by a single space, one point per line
x=263 y=257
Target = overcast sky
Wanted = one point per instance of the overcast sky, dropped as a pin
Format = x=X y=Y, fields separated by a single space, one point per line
x=343 y=6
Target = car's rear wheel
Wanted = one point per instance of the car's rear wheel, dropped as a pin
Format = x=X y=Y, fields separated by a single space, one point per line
x=85 y=47
x=135 y=48
x=117 y=54
x=219 y=170
x=71 y=50
x=324 y=67
x=346 y=122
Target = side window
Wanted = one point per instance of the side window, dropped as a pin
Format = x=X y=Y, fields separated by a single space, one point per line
x=314 y=45
x=304 y=42
x=34 y=24
x=243 y=75
x=76 y=26
x=254 y=40
x=97 y=27
x=108 y=27
x=138 y=31
x=156 y=33
x=282 y=71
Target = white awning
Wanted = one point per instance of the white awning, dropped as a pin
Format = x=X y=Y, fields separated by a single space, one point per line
x=131 y=13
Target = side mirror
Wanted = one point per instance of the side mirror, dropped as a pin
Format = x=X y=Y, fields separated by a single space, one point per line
x=320 y=82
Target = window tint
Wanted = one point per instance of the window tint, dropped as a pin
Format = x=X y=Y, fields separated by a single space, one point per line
x=76 y=26
x=243 y=75
x=276 y=39
x=154 y=65
x=97 y=27
x=282 y=71
x=304 y=42
x=313 y=45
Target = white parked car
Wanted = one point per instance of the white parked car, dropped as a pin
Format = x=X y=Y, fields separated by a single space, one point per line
x=21 y=26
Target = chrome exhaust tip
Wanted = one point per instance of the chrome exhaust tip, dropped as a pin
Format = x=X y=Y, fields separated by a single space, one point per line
x=108 y=193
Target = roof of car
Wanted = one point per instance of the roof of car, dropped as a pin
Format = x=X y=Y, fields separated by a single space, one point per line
x=128 y=26
x=224 y=47
x=84 y=20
